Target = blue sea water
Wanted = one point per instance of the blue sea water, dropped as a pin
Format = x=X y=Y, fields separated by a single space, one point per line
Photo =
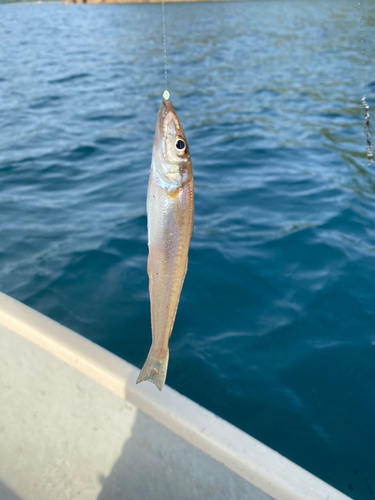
x=275 y=330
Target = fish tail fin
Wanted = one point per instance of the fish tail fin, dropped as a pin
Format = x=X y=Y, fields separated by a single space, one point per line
x=155 y=369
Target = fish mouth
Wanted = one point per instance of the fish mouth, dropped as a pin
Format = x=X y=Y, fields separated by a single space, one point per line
x=167 y=107
x=168 y=104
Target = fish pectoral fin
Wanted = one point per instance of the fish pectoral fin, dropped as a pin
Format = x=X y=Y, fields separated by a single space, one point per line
x=155 y=370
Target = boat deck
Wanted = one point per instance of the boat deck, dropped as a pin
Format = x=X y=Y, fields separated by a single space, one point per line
x=73 y=425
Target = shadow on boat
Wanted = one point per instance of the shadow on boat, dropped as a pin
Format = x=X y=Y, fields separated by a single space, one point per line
x=7 y=494
x=156 y=464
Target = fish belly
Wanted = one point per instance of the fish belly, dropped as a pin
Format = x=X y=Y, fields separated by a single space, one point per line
x=170 y=219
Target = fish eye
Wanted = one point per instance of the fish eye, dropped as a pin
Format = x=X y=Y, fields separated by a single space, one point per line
x=180 y=145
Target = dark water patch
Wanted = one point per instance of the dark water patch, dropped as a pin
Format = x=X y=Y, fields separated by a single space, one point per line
x=335 y=383
x=81 y=153
x=266 y=91
x=110 y=141
x=70 y=78
x=111 y=118
x=45 y=102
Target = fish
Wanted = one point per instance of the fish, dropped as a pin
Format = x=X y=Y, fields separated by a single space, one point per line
x=170 y=215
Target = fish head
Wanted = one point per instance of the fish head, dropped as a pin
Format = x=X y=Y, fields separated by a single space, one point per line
x=171 y=151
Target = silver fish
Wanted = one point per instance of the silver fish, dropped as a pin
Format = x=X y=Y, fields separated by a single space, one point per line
x=170 y=212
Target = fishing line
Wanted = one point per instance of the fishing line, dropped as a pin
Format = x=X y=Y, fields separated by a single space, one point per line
x=364 y=103
x=166 y=93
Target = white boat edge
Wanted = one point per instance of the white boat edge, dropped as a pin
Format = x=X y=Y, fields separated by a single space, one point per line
x=253 y=461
